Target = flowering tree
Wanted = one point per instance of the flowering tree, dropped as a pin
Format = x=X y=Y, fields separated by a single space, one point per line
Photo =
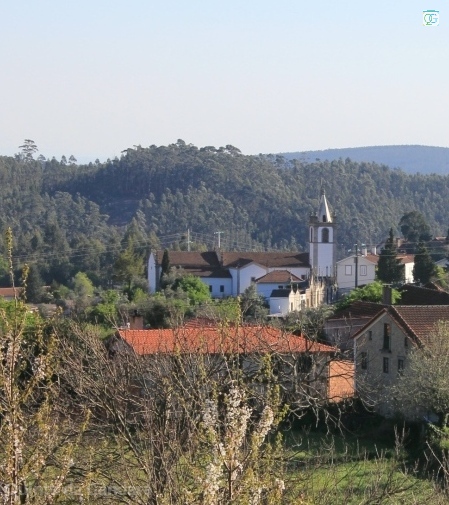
x=238 y=458
x=35 y=434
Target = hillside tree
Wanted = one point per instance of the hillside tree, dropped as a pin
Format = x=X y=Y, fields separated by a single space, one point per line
x=414 y=227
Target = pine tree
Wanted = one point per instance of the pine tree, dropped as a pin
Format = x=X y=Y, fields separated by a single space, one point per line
x=389 y=268
x=424 y=268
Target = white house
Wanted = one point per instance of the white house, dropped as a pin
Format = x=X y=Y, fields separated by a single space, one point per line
x=277 y=279
x=366 y=265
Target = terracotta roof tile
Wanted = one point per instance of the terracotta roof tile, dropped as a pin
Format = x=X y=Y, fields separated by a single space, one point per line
x=417 y=321
x=374 y=258
x=279 y=276
x=418 y=295
x=420 y=320
x=192 y=259
x=266 y=259
x=359 y=309
x=214 y=340
x=10 y=292
x=405 y=258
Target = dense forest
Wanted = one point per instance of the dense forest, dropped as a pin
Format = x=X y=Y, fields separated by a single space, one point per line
x=410 y=158
x=68 y=217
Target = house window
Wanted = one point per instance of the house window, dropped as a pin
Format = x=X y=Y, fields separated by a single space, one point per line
x=210 y=289
x=304 y=363
x=363 y=270
x=325 y=235
x=400 y=365
x=348 y=270
x=387 y=338
x=386 y=365
x=405 y=342
x=364 y=361
x=253 y=279
x=370 y=334
x=222 y=289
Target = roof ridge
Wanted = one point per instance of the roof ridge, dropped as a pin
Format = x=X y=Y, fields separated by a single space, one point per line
x=404 y=323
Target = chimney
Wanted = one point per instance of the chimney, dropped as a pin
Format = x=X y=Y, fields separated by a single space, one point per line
x=374 y=250
x=364 y=251
x=386 y=294
x=136 y=321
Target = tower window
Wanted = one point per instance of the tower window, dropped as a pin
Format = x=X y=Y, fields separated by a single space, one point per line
x=325 y=235
x=324 y=218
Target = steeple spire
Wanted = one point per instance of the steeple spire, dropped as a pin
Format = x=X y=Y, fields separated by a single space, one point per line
x=324 y=215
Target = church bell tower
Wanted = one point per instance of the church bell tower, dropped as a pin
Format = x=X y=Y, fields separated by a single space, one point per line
x=322 y=244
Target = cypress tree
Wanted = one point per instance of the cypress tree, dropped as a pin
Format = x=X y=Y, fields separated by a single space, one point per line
x=424 y=267
x=389 y=268
x=165 y=264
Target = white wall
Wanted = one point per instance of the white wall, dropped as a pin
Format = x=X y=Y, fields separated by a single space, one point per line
x=322 y=253
x=279 y=305
x=346 y=272
x=409 y=272
x=221 y=288
x=288 y=304
x=265 y=288
x=242 y=277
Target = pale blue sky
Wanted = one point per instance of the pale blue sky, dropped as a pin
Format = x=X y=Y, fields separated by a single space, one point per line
x=91 y=78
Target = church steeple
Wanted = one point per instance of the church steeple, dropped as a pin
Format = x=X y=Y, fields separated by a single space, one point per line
x=322 y=241
x=324 y=215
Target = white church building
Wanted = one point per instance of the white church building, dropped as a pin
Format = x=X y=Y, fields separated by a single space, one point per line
x=288 y=280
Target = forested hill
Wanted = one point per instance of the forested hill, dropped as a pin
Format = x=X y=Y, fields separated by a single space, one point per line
x=411 y=159
x=70 y=217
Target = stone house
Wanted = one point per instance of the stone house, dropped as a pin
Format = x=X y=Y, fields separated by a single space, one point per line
x=382 y=345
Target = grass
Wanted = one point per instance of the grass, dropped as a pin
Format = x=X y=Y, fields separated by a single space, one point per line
x=350 y=470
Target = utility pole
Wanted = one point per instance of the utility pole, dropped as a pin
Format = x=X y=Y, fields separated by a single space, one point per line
x=188 y=239
x=356 y=261
x=219 y=237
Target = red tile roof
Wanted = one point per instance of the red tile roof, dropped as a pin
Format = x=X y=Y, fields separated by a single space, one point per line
x=215 y=340
x=217 y=264
x=10 y=292
x=359 y=309
x=405 y=258
x=266 y=259
x=190 y=259
x=419 y=295
x=374 y=258
x=420 y=320
x=417 y=321
x=279 y=276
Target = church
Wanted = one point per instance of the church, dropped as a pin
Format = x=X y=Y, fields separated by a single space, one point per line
x=288 y=280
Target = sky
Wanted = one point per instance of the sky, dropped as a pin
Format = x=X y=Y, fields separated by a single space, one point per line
x=94 y=77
